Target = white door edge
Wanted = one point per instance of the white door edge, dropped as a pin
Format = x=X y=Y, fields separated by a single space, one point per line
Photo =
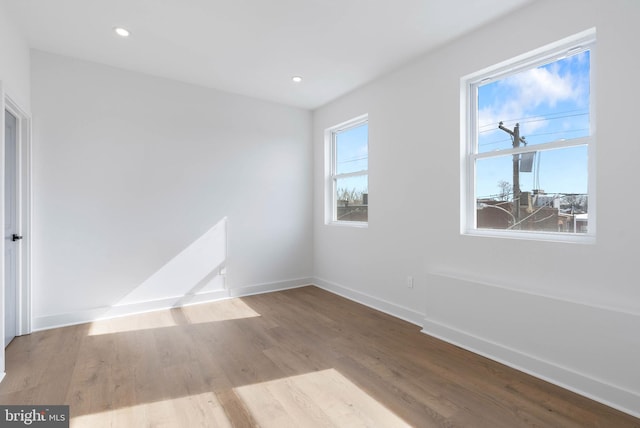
x=24 y=213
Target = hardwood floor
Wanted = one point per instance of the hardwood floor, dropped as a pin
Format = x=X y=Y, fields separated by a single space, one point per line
x=297 y=358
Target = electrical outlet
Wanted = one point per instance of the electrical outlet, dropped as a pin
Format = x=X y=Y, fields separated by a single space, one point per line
x=410 y=281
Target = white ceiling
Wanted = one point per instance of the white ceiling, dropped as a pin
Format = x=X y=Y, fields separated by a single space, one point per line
x=254 y=47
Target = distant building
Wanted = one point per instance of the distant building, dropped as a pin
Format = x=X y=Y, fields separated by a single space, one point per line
x=353 y=211
x=538 y=212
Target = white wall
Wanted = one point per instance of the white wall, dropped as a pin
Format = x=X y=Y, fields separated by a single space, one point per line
x=137 y=179
x=15 y=82
x=14 y=62
x=414 y=197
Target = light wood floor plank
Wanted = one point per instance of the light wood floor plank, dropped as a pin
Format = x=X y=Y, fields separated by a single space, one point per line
x=301 y=358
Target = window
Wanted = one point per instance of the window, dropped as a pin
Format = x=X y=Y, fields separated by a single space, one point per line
x=347 y=186
x=528 y=145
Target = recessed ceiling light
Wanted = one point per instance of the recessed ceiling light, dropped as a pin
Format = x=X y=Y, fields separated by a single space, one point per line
x=296 y=79
x=122 y=32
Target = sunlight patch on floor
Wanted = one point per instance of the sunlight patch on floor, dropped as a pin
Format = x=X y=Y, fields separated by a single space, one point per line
x=224 y=310
x=146 y=321
x=194 y=410
x=323 y=398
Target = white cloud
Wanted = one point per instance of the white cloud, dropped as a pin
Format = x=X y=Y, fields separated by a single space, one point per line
x=525 y=96
x=543 y=86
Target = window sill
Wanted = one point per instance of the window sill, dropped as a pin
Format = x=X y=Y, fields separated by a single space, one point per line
x=356 y=224
x=572 y=238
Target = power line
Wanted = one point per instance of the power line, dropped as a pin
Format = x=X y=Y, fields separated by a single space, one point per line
x=558 y=132
x=505 y=140
x=540 y=119
x=566 y=113
x=353 y=159
x=559 y=115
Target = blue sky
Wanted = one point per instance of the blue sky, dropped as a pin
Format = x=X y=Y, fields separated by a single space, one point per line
x=550 y=102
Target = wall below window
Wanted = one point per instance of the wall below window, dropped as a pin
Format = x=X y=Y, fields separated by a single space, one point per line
x=151 y=193
x=414 y=209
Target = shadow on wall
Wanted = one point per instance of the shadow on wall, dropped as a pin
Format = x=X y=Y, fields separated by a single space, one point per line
x=192 y=276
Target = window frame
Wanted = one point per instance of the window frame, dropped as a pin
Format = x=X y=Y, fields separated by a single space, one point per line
x=331 y=202
x=583 y=41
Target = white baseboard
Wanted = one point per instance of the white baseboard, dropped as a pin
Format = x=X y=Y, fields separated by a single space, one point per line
x=617 y=398
x=269 y=287
x=409 y=315
x=90 y=315
x=590 y=350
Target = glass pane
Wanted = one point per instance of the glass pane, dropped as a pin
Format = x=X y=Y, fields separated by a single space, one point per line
x=553 y=191
x=550 y=103
x=352 y=198
x=352 y=149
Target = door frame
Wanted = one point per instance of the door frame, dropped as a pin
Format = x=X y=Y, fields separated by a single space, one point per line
x=23 y=176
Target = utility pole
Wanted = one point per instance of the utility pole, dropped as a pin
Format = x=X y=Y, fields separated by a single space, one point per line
x=517 y=139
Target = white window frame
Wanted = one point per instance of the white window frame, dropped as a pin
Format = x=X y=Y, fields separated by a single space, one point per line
x=331 y=203
x=585 y=40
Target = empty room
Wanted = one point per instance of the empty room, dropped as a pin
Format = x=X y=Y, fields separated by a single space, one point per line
x=188 y=240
